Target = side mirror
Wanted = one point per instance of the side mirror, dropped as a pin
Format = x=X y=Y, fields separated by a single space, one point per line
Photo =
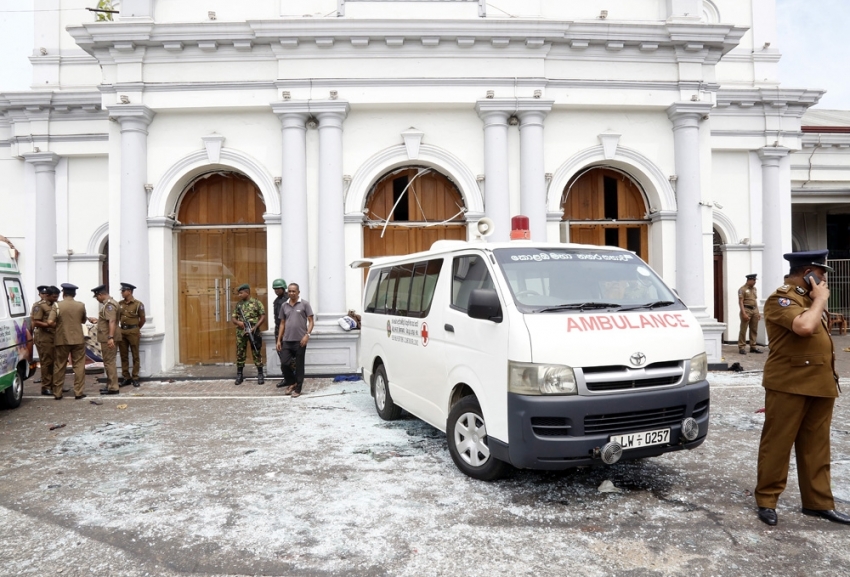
x=484 y=304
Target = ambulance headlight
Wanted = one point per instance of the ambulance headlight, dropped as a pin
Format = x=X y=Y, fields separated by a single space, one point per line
x=699 y=368
x=534 y=379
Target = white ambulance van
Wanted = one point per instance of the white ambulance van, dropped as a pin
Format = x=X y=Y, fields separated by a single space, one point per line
x=540 y=356
x=15 y=332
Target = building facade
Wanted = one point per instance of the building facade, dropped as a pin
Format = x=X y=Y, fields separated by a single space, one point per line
x=188 y=151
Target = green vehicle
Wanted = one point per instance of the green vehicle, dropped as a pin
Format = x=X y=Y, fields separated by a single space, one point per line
x=15 y=332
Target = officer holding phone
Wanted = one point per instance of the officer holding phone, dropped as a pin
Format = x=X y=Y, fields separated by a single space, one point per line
x=800 y=390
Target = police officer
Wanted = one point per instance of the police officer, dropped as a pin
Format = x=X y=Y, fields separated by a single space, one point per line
x=248 y=311
x=800 y=390
x=749 y=314
x=132 y=319
x=69 y=340
x=108 y=332
x=44 y=328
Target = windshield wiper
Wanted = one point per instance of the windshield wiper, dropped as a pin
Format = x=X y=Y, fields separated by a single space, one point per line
x=579 y=306
x=651 y=305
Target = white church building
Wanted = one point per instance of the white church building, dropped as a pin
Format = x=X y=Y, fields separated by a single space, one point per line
x=189 y=147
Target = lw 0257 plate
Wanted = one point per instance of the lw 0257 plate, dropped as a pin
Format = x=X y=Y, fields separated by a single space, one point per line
x=642 y=439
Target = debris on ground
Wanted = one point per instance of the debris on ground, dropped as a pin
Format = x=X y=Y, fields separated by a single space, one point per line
x=736 y=367
x=608 y=487
x=96 y=402
x=761 y=410
x=54 y=427
x=121 y=406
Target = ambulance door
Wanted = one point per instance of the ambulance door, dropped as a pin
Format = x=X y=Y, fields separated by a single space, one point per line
x=477 y=349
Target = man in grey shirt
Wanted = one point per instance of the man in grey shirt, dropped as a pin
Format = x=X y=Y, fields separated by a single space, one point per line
x=296 y=324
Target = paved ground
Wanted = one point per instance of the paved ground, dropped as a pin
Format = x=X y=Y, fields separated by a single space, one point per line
x=205 y=478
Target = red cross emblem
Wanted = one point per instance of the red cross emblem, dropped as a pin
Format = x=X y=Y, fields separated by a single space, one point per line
x=424 y=333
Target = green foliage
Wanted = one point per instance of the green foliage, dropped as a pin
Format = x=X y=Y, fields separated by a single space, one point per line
x=104 y=16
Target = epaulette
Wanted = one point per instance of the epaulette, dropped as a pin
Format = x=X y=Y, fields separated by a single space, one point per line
x=783 y=289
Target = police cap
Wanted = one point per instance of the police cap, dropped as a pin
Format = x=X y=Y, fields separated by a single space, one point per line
x=99 y=289
x=752 y=276
x=808 y=258
x=54 y=290
x=44 y=289
x=125 y=286
x=243 y=287
x=279 y=283
x=66 y=286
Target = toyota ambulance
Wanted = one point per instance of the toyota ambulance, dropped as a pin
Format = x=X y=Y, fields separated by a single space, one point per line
x=15 y=332
x=539 y=356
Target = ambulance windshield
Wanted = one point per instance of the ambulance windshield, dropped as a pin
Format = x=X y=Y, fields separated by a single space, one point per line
x=556 y=280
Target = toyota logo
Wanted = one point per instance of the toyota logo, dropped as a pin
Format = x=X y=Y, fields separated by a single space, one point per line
x=638 y=359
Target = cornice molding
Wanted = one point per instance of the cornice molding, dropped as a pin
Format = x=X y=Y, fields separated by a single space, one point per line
x=786 y=101
x=826 y=139
x=118 y=40
x=55 y=104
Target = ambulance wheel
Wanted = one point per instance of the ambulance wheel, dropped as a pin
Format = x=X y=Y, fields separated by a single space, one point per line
x=13 y=395
x=466 y=434
x=387 y=410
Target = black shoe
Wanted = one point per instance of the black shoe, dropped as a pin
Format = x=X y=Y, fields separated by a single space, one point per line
x=768 y=516
x=281 y=384
x=124 y=382
x=136 y=384
x=239 y=377
x=261 y=378
x=46 y=392
x=108 y=392
x=755 y=351
x=78 y=397
x=828 y=514
x=57 y=398
x=742 y=352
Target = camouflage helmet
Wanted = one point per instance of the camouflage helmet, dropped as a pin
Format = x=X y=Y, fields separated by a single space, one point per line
x=279 y=283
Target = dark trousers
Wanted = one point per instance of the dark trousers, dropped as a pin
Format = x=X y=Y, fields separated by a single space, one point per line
x=292 y=350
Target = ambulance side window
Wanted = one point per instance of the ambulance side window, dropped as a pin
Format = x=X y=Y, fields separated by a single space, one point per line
x=429 y=282
x=469 y=272
x=15 y=297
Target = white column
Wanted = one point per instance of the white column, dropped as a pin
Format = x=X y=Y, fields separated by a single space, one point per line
x=497 y=201
x=42 y=227
x=293 y=193
x=531 y=167
x=132 y=233
x=774 y=226
x=331 y=264
x=690 y=282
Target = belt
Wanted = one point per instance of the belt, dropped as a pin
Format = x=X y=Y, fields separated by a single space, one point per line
x=125 y=327
x=749 y=306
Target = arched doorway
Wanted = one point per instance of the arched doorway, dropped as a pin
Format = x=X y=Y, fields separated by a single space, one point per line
x=418 y=206
x=719 y=301
x=221 y=245
x=606 y=207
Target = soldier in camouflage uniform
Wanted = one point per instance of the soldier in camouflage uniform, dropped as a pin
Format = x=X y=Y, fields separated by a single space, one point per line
x=250 y=310
x=45 y=327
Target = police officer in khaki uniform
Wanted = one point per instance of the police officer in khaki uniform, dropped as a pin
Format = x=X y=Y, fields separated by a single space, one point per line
x=69 y=340
x=749 y=313
x=131 y=321
x=108 y=332
x=800 y=390
x=44 y=329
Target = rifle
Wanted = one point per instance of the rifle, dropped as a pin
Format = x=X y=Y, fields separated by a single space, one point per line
x=249 y=329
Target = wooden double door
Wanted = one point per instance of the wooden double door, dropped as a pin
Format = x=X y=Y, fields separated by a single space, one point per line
x=413 y=203
x=221 y=245
x=605 y=207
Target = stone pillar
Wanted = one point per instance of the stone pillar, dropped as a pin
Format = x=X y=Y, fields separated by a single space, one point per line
x=134 y=256
x=293 y=193
x=690 y=272
x=331 y=263
x=532 y=172
x=497 y=199
x=690 y=246
x=776 y=220
x=42 y=227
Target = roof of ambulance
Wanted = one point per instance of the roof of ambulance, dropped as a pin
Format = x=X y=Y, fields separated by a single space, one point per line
x=443 y=247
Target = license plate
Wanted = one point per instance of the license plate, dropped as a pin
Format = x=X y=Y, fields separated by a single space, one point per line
x=644 y=439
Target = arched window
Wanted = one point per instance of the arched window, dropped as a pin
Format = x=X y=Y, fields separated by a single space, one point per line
x=606 y=207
